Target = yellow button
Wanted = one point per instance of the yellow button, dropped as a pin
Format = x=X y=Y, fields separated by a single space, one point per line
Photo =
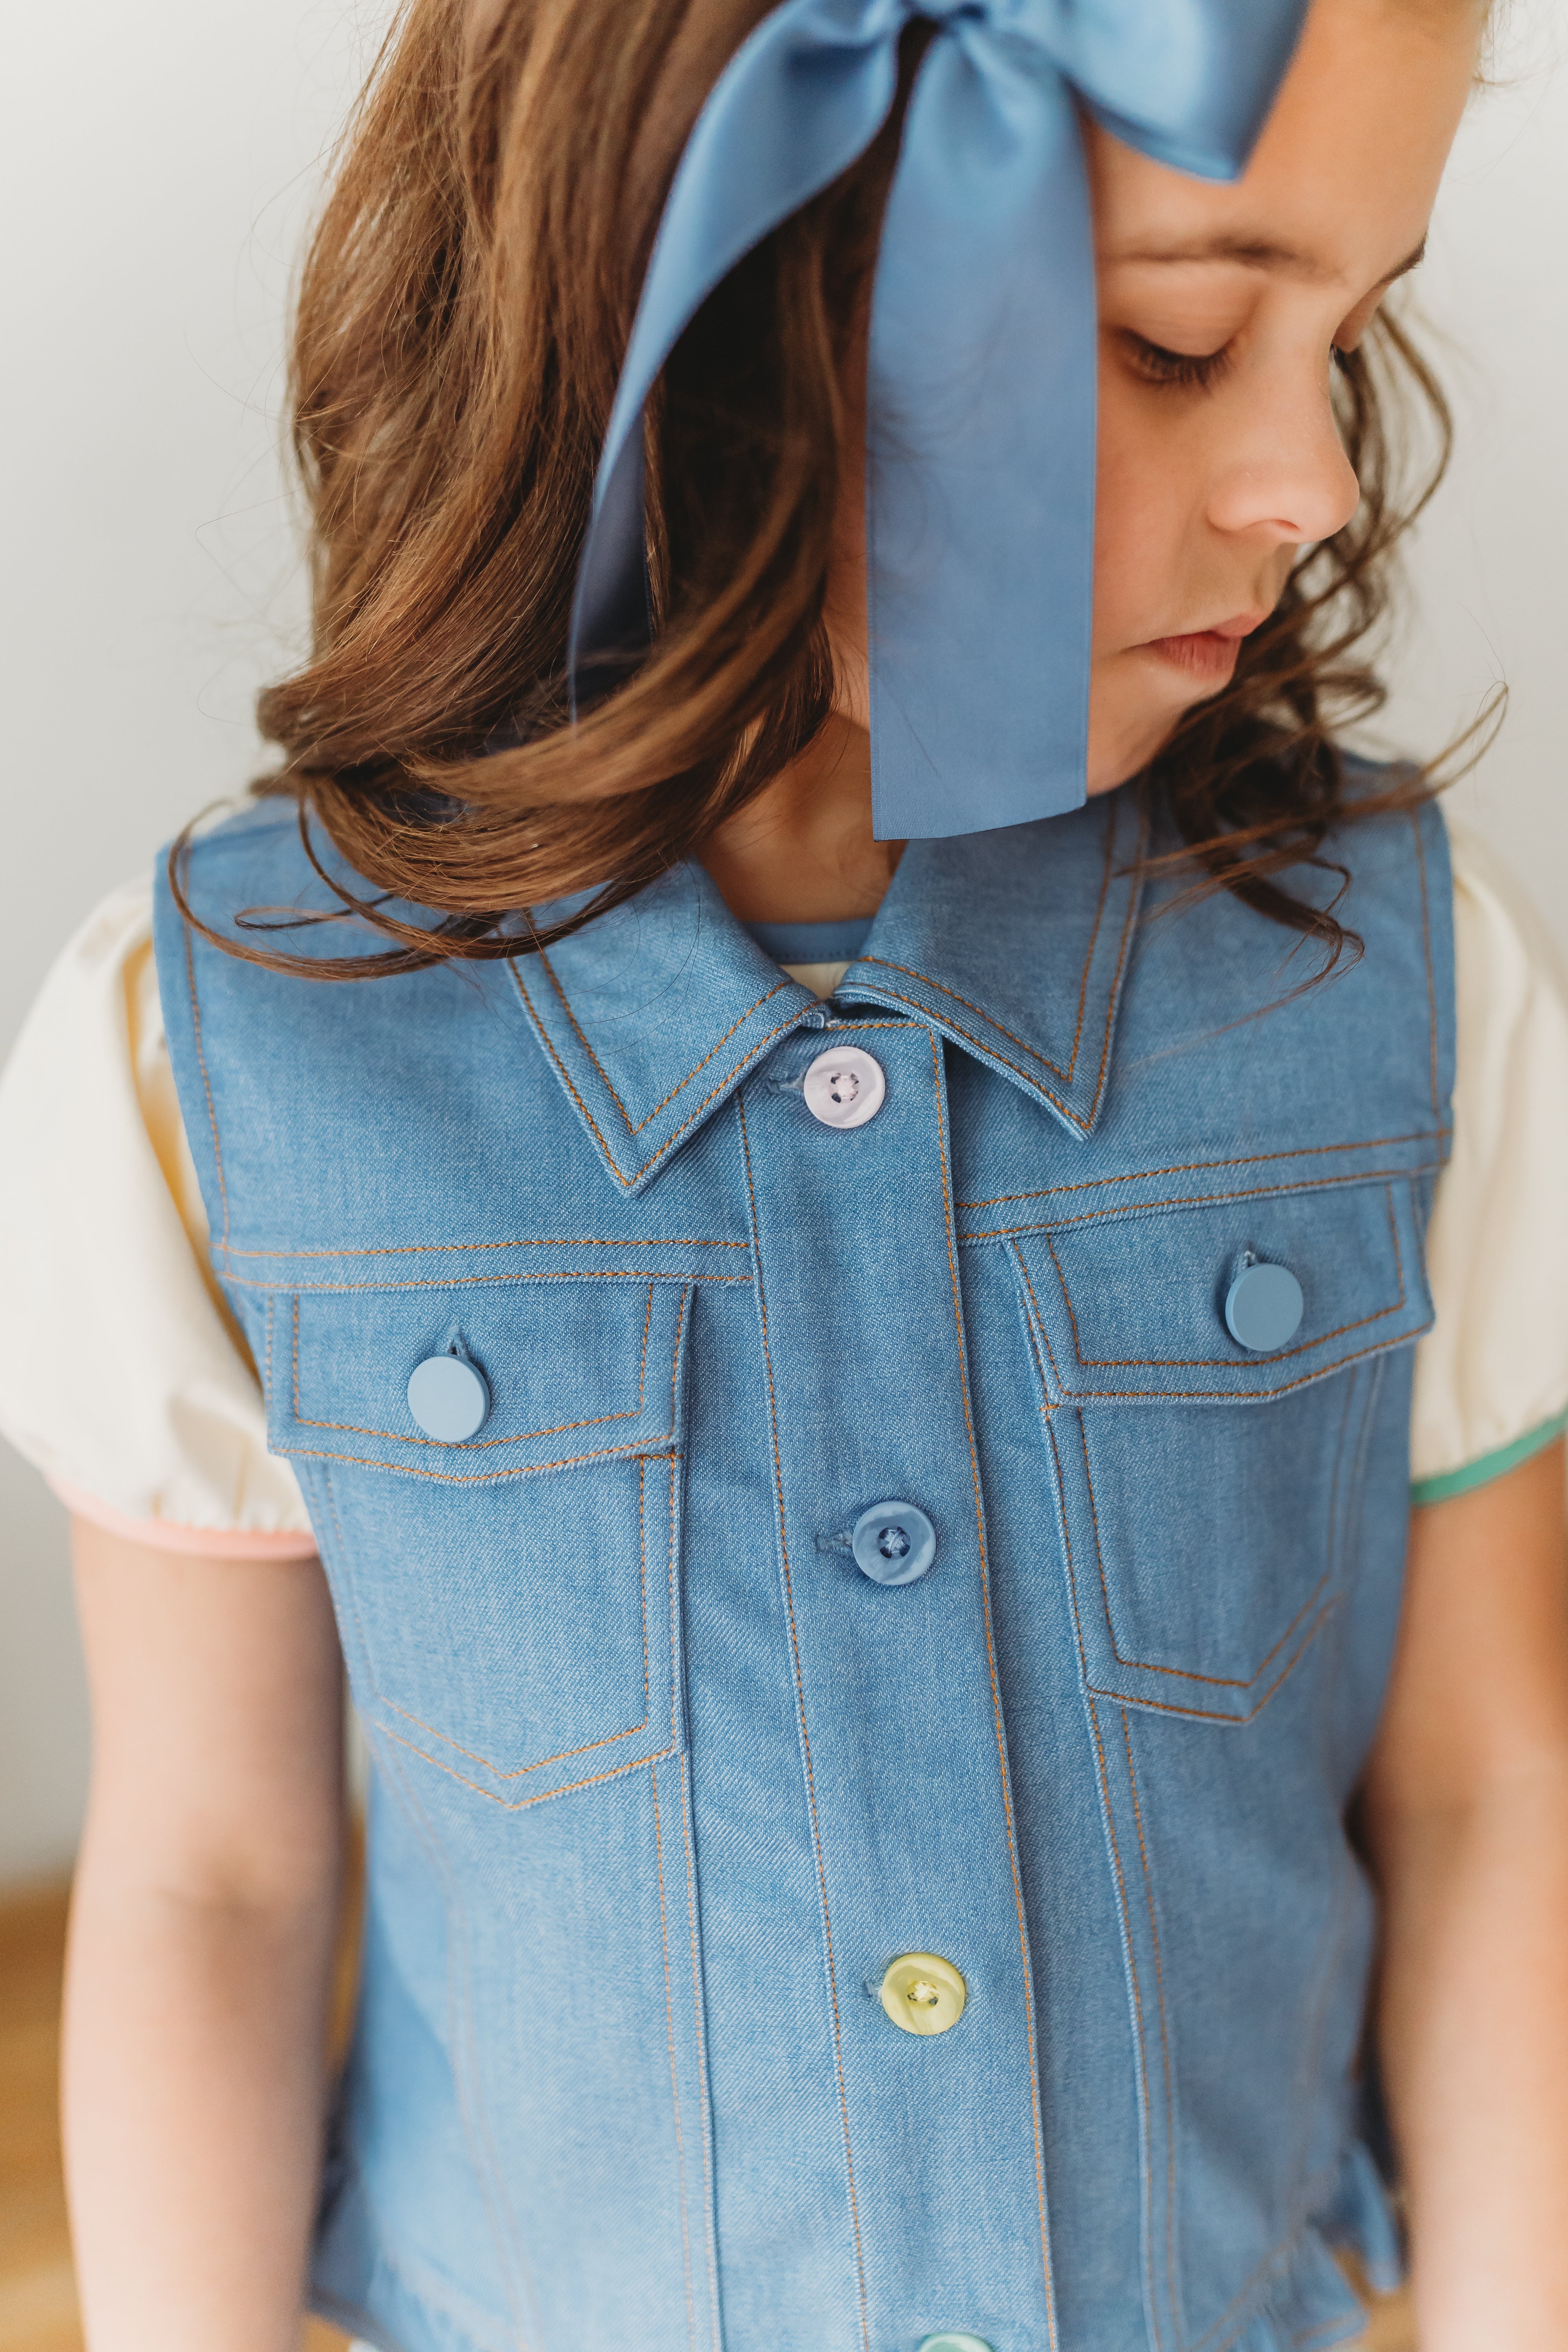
x=922 y=1994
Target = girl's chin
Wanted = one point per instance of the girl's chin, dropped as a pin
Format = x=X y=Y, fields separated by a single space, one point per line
x=1122 y=746
x=1136 y=709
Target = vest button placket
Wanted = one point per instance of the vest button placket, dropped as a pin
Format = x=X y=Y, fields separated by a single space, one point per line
x=867 y=1387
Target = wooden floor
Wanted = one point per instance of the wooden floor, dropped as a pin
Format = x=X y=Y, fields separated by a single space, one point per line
x=38 y=2296
x=38 y=2293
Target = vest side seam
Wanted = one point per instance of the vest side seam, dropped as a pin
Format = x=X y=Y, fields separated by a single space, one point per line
x=1427 y=948
x=206 y=1081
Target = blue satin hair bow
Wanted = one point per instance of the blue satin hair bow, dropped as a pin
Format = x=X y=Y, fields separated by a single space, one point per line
x=980 y=391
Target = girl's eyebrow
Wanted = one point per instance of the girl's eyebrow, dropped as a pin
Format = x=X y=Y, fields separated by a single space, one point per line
x=1263 y=253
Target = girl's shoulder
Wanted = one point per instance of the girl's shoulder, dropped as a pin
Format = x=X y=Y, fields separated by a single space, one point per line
x=1491 y=1381
x=124 y=1378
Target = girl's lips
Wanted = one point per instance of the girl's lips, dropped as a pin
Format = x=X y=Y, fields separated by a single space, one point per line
x=1208 y=654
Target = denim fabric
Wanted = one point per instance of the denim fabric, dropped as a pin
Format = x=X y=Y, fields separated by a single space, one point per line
x=662 y=1782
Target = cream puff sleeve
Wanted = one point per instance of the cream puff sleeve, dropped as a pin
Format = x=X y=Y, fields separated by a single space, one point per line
x=1492 y=1377
x=123 y=1376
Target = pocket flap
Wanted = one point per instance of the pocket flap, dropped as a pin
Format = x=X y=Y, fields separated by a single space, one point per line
x=572 y=1372
x=1134 y=1308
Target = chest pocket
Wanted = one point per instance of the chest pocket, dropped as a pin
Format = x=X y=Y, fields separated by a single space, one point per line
x=503 y=1539
x=1211 y=1488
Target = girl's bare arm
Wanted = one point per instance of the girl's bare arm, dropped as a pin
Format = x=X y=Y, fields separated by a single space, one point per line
x=201 y=1946
x=1468 y=1818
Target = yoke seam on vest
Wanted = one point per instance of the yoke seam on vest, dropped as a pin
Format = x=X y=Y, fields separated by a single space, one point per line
x=1186 y=1167
x=476 y=1281
x=1195 y=1200
x=534 y=1240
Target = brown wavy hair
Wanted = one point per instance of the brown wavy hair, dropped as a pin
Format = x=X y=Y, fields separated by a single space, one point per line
x=463 y=309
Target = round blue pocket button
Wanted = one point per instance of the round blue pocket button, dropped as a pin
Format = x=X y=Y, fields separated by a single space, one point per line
x=951 y=2341
x=449 y=1398
x=893 y=1543
x=1263 y=1307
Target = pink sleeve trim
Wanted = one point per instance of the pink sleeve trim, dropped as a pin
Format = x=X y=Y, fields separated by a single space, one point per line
x=171 y=1535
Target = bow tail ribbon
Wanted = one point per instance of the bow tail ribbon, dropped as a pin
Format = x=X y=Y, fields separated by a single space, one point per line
x=983 y=357
x=981 y=452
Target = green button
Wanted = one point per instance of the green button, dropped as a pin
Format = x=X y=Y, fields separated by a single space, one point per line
x=948 y=2341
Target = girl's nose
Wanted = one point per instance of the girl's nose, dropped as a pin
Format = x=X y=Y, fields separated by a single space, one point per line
x=1288 y=482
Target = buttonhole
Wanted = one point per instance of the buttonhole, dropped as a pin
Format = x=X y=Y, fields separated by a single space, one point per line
x=839 y=1543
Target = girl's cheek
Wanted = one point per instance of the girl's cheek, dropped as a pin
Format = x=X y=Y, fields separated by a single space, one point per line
x=1142 y=494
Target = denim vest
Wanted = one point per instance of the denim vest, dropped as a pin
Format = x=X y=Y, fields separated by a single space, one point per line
x=664 y=1780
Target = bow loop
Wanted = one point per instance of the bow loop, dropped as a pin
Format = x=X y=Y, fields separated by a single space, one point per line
x=981 y=388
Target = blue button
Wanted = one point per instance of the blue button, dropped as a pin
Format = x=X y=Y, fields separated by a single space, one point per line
x=893 y=1543
x=954 y=2340
x=447 y=1397
x=1263 y=1307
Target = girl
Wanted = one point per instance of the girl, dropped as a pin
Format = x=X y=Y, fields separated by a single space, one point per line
x=866 y=1503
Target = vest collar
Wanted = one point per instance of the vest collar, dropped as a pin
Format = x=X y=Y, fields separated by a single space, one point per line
x=1012 y=943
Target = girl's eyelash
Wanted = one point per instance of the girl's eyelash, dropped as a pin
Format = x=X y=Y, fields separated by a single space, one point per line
x=1186 y=371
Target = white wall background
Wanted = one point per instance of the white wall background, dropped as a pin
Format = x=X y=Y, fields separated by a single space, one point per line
x=156 y=168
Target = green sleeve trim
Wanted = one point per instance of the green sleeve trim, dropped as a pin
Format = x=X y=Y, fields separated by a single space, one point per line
x=1496 y=1464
